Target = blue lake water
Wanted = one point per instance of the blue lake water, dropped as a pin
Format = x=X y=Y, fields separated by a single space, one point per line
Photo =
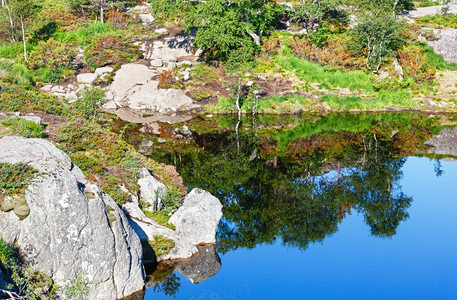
x=418 y=262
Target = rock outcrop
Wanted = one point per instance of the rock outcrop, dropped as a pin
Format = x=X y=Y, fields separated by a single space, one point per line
x=430 y=10
x=148 y=229
x=196 y=223
x=446 y=44
x=72 y=229
x=198 y=217
x=444 y=143
x=151 y=190
x=133 y=87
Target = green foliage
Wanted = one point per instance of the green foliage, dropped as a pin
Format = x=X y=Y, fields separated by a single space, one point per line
x=77 y=289
x=89 y=103
x=53 y=55
x=14 y=178
x=171 y=200
x=170 y=10
x=377 y=38
x=161 y=245
x=160 y=217
x=438 y=21
x=17 y=98
x=7 y=255
x=110 y=50
x=225 y=27
x=319 y=16
x=311 y=72
x=18 y=74
x=25 y=128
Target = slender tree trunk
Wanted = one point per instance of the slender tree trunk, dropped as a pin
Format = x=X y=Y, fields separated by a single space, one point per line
x=101 y=12
x=23 y=39
x=13 y=38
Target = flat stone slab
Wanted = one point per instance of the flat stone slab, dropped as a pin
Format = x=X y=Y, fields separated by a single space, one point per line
x=446 y=45
x=86 y=78
x=430 y=10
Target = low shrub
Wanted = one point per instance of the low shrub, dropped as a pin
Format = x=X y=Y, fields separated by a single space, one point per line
x=53 y=55
x=110 y=50
x=89 y=103
x=25 y=128
x=14 y=178
x=18 y=98
x=334 y=53
x=415 y=64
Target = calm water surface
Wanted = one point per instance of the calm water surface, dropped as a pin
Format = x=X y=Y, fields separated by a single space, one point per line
x=369 y=222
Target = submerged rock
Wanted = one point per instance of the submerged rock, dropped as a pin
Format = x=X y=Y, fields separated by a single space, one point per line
x=72 y=230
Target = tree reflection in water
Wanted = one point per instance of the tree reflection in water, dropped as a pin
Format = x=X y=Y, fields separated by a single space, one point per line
x=298 y=184
x=301 y=191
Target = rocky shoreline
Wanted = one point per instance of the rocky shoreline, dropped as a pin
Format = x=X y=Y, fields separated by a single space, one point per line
x=74 y=228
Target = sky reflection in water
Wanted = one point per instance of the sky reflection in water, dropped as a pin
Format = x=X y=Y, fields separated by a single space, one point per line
x=419 y=262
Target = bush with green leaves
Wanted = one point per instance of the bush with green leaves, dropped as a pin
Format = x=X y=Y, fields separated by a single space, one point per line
x=54 y=55
x=228 y=30
x=77 y=288
x=111 y=50
x=377 y=37
x=14 y=178
x=89 y=102
x=18 y=98
x=25 y=128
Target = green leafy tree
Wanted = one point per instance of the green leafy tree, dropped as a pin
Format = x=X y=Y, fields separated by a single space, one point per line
x=378 y=33
x=377 y=38
x=232 y=30
x=15 y=16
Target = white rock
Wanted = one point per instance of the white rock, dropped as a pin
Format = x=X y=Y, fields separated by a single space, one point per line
x=86 y=78
x=146 y=18
x=156 y=63
x=186 y=63
x=198 y=217
x=199 y=52
x=186 y=75
x=161 y=31
x=103 y=70
x=151 y=190
x=35 y=119
x=169 y=58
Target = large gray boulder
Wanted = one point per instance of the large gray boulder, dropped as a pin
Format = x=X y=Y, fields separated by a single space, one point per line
x=147 y=229
x=446 y=44
x=196 y=223
x=198 y=217
x=72 y=229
